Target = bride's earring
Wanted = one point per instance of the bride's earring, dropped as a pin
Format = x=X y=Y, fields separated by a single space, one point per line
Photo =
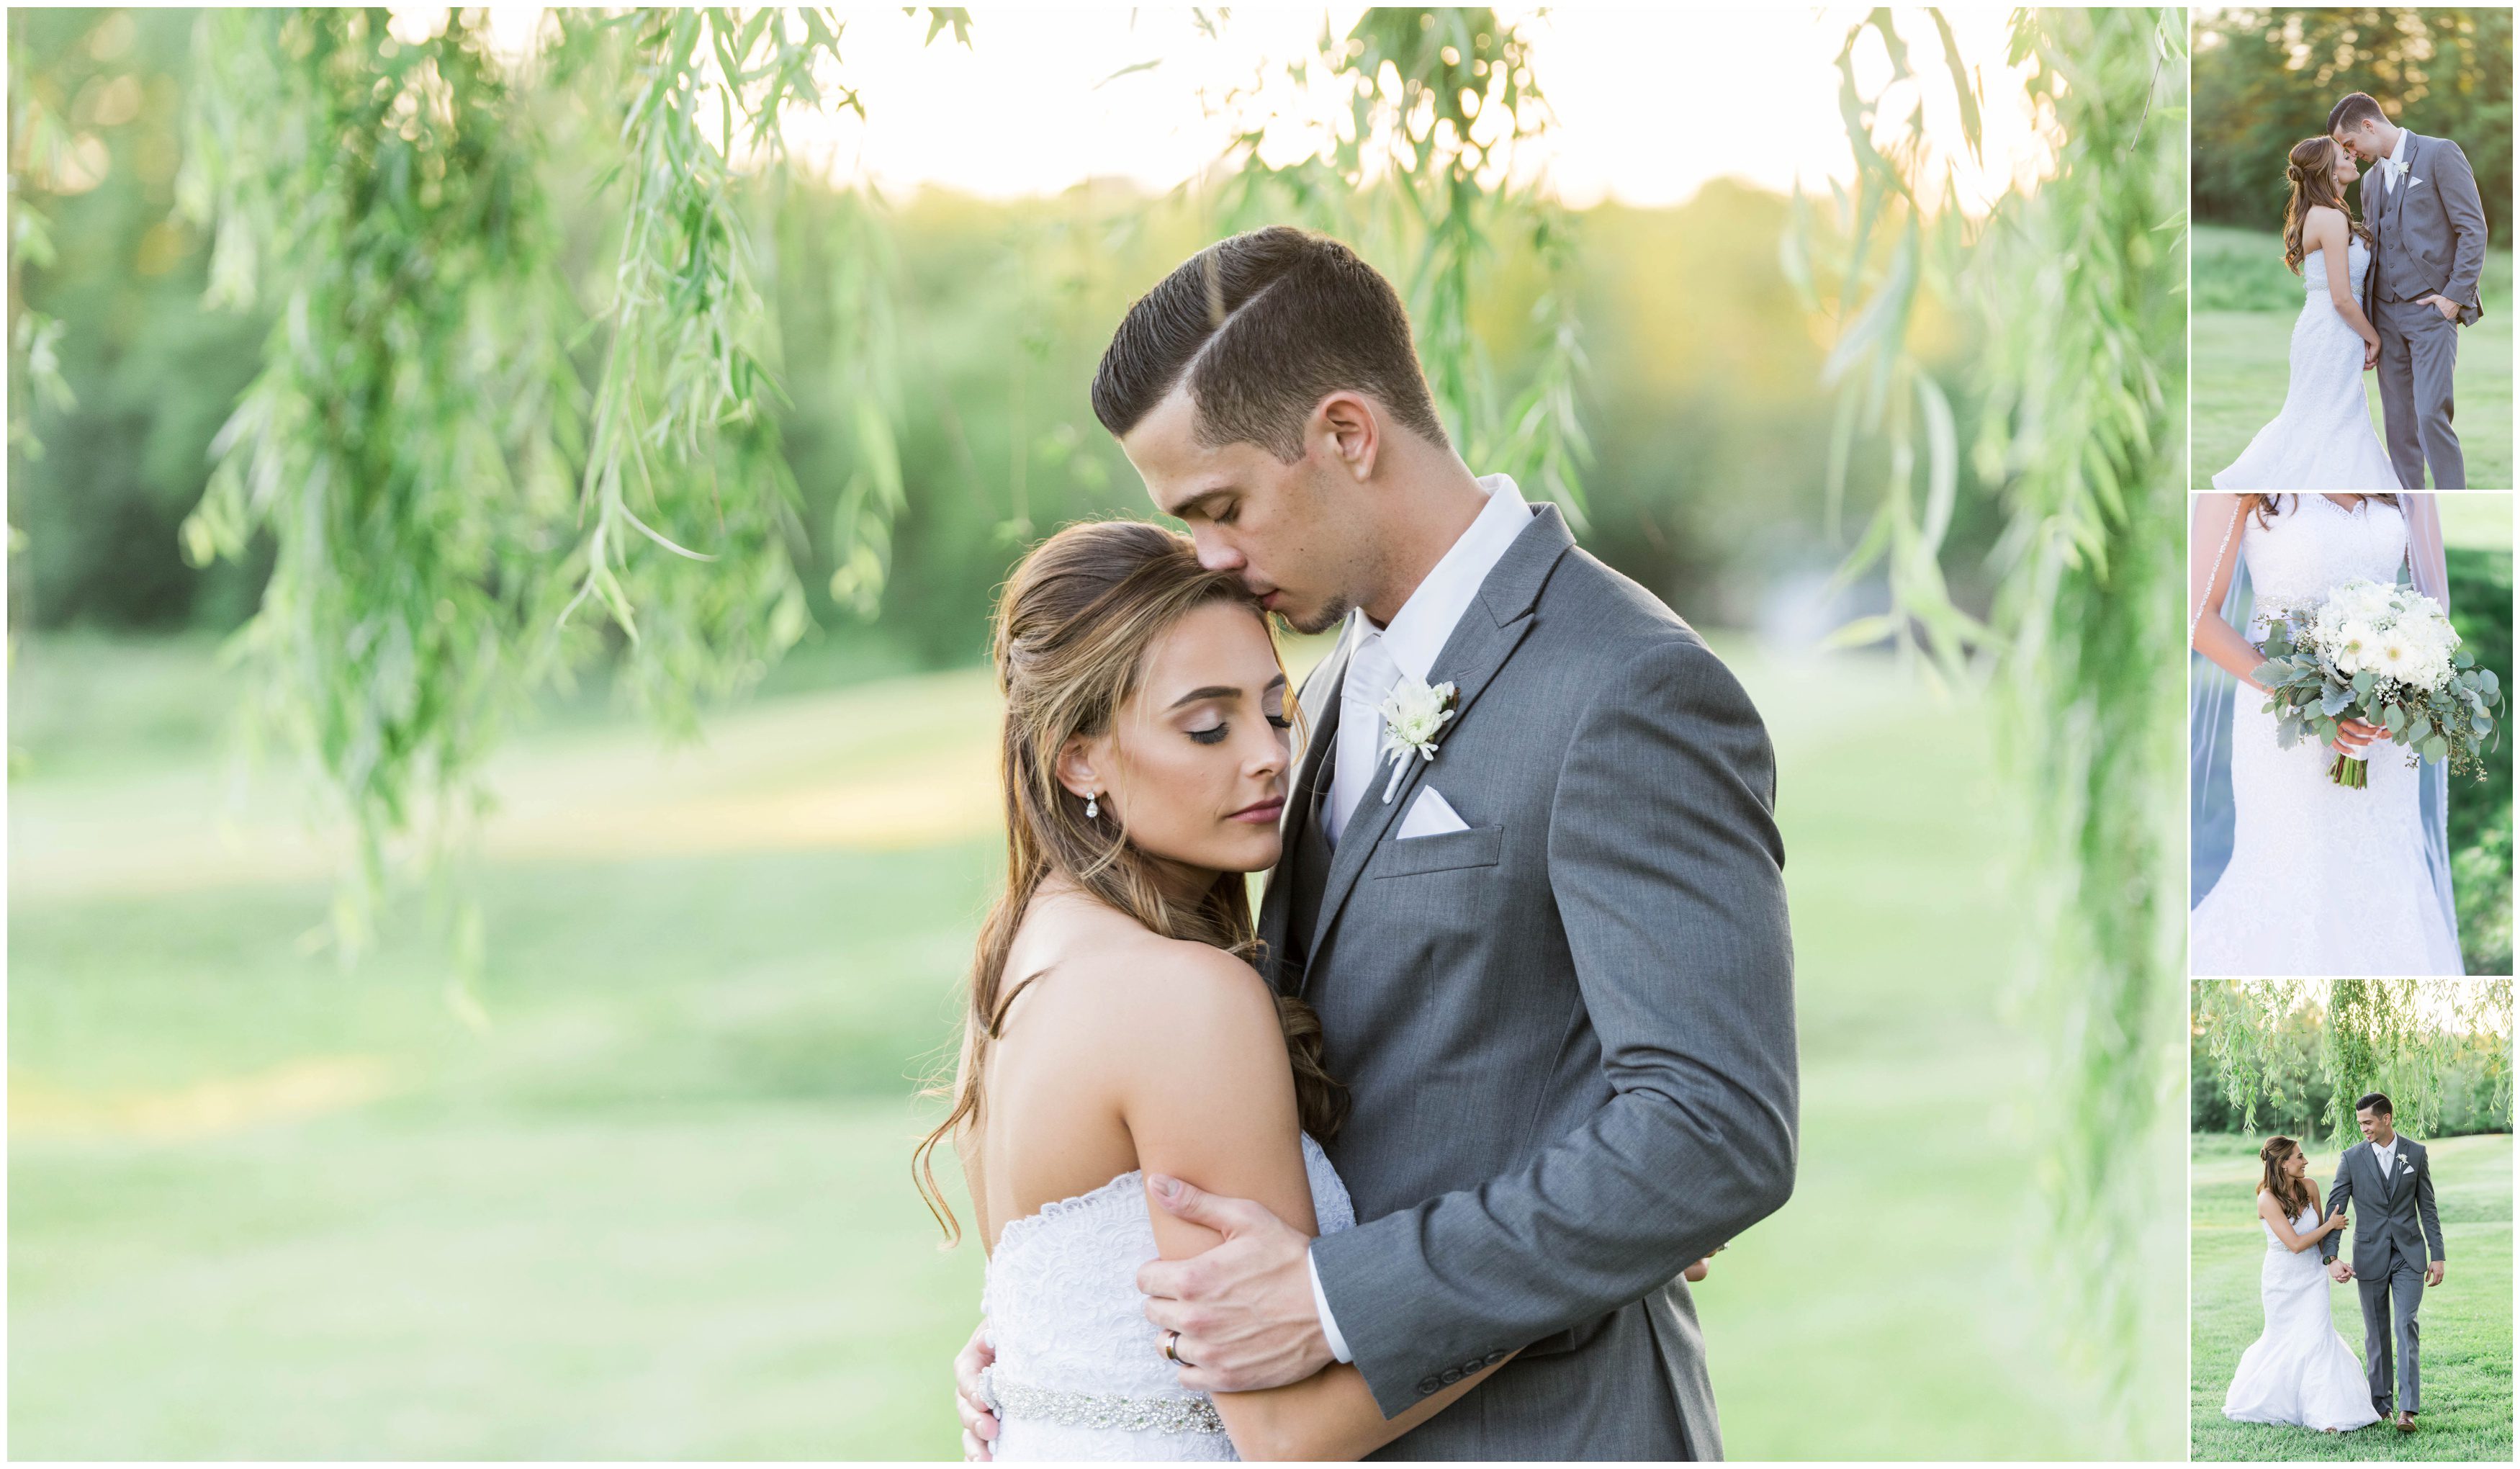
x=1094 y=805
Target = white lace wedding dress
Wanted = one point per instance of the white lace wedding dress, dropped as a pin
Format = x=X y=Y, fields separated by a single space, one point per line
x=2323 y=879
x=2298 y=1370
x=1079 y=1373
x=2323 y=438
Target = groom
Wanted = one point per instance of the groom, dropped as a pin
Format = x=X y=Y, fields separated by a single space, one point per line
x=1550 y=959
x=2390 y=1180
x=2419 y=198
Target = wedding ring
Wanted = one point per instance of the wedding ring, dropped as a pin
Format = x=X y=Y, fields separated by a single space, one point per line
x=1172 y=1344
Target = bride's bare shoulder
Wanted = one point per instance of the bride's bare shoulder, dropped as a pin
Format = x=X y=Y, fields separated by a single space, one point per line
x=1105 y=974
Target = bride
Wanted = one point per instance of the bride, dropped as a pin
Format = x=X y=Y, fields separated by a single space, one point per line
x=2321 y=879
x=1116 y=1027
x=2300 y=1369
x=2323 y=438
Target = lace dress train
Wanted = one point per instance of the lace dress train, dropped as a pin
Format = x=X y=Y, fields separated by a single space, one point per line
x=2323 y=438
x=2298 y=1370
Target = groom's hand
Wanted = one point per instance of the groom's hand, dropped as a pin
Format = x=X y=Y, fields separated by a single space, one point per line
x=2445 y=305
x=1244 y=1306
x=2433 y=1273
x=2341 y=1271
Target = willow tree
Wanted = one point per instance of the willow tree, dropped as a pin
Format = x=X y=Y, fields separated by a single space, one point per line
x=2398 y=1036
x=44 y=151
x=2072 y=292
x=464 y=458
x=1424 y=172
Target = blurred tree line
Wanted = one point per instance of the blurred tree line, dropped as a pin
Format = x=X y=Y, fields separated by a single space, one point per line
x=2265 y=80
x=2479 y=811
x=2279 y=1051
x=1709 y=428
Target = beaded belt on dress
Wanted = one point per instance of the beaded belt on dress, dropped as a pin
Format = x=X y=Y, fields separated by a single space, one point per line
x=1174 y=1415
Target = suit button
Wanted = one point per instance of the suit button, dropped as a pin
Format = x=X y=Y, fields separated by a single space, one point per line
x=1494 y=1357
x=1426 y=1386
x=1451 y=1375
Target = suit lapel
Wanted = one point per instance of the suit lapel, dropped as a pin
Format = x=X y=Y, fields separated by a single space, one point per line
x=1320 y=702
x=1490 y=629
x=2388 y=1177
x=2406 y=181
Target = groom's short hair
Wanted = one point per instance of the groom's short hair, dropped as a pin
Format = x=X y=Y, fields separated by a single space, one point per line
x=1263 y=326
x=2376 y=1104
x=2353 y=110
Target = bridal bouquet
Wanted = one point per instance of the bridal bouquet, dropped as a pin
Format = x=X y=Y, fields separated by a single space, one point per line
x=2387 y=655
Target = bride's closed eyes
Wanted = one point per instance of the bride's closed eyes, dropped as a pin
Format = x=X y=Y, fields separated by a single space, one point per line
x=1218 y=731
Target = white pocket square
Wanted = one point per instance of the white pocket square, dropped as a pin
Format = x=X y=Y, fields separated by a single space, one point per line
x=1430 y=815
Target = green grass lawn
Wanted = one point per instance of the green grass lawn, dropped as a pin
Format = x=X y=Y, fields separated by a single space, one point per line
x=660 y=1207
x=2241 y=331
x=2466 y=1321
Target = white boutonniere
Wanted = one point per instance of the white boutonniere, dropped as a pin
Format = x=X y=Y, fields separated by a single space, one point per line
x=1413 y=714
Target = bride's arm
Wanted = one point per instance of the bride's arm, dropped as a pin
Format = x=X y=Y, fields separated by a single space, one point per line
x=2273 y=1213
x=1213 y=1102
x=2212 y=551
x=2327 y=227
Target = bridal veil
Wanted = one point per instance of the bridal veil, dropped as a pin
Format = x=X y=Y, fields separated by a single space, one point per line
x=2211 y=690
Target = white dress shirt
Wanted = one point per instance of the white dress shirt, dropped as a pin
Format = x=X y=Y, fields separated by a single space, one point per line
x=2394 y=166
x=2387 y=1154
x=1418 y=633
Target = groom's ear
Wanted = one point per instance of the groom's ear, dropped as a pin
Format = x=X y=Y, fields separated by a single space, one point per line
x=1352 y=429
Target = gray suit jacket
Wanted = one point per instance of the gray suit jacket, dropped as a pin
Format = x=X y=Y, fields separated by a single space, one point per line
x=2389 y=1213
x=1569 y=1031
x=2430 y=230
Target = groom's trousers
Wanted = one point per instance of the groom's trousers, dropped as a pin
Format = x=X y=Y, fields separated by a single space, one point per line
x=2389 y=1311
x=2418 y=357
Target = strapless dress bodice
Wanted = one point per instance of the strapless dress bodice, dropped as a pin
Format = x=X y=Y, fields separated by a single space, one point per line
x=1079 y=1373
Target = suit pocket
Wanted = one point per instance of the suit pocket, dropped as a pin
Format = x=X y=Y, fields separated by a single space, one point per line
x=1477 y=846
x=1573 y=1339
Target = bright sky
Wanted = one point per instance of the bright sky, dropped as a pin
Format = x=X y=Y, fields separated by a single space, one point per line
x=1036 y=106
x=1652 y=102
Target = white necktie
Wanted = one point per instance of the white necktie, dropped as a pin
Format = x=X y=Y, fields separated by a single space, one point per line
x=1371 y=674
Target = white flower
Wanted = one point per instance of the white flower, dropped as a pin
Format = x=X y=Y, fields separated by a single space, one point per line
x=2352 y=648
x=1413 y=714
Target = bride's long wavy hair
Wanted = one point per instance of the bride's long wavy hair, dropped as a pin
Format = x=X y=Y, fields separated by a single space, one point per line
x=2311 y=170
x=1072 y=630
x=2294 y=1194
x=2266 y=508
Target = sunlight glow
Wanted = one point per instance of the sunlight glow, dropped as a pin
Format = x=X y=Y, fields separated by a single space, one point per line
x=1652 y=103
